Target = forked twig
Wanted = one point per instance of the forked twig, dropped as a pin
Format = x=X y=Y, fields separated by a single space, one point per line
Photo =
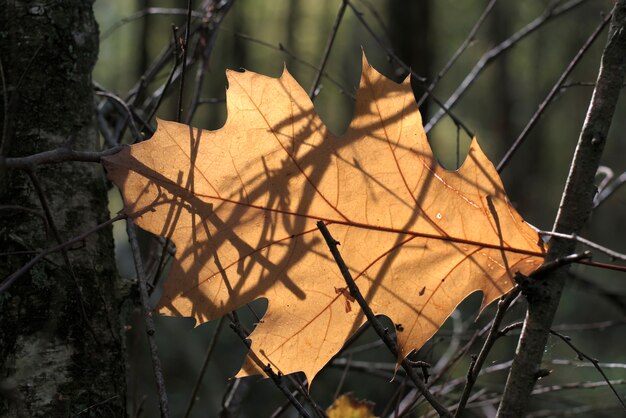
x=478 y=361
x=471 y=36
x=552 y=94
x=276 y=378
x=567 y=340
x=491 y=55
x=377 y=326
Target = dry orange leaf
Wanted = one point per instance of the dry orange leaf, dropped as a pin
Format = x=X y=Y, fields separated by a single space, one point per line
x=240 y=203
x=346 y=406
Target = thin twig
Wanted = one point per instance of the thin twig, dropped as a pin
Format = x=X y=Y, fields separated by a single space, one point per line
x=552 y=94
x=41 y=194
x=284 y=407
x=573 y=237
x=160 y=92
x=477 y=363
x=205 y=364
x=550 y=266
x=59 y=155
x=185 y=47
x=376 y=325
x=421 y=81
x=132 y=115
x=276 y=378
x=493 y=53
x=150 y=11
x=149 y=322
x=282 y=48
x=329 y=45
x=8 y=282
x=564 y=362
x=548 y=389
x=471 y=36
x=567 y=340
x=208 y=35
x=567 y=412
x=607 y=191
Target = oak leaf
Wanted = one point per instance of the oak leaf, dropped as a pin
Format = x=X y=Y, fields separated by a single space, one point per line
x=241 y=205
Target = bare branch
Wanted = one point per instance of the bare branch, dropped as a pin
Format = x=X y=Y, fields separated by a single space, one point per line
x=377 y=326
x=59 y=155
x=567 y=340
x=477 y=362
x=329 y=44
x=586 y=242
x=149 y=322
x=205 y=364
x=493 y=53
x=471 y=36
x=552 y=94
x=150 y=11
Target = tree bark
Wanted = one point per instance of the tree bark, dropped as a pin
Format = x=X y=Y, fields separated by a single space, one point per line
x=61 y=340
x=544 y=294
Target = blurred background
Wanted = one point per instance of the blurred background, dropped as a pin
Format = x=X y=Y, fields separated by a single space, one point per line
x=513 y=76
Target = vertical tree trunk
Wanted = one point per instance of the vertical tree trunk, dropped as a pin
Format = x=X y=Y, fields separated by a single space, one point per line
x=60 y=332
x=543 y=295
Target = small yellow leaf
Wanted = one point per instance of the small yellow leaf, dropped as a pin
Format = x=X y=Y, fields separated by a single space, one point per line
x=346 y=406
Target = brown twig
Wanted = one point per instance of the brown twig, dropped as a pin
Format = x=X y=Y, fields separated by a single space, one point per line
x=471 y=36
x=552 y=94
x=149 y=322
x=574 y=237
x=184 y=46
x=208 y=35
x=553 y=388
x=276 y=378
x=150 y=11
x=376 y=325
x=205 y=364
x=478 y=361
x=493 y=53
x=59 y=155
x=329 y=45
x=282 y=48
x=132 y=115
x=567 y=340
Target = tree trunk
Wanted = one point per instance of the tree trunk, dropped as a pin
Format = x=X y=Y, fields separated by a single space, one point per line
x=543 y=295
x=61 y=345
